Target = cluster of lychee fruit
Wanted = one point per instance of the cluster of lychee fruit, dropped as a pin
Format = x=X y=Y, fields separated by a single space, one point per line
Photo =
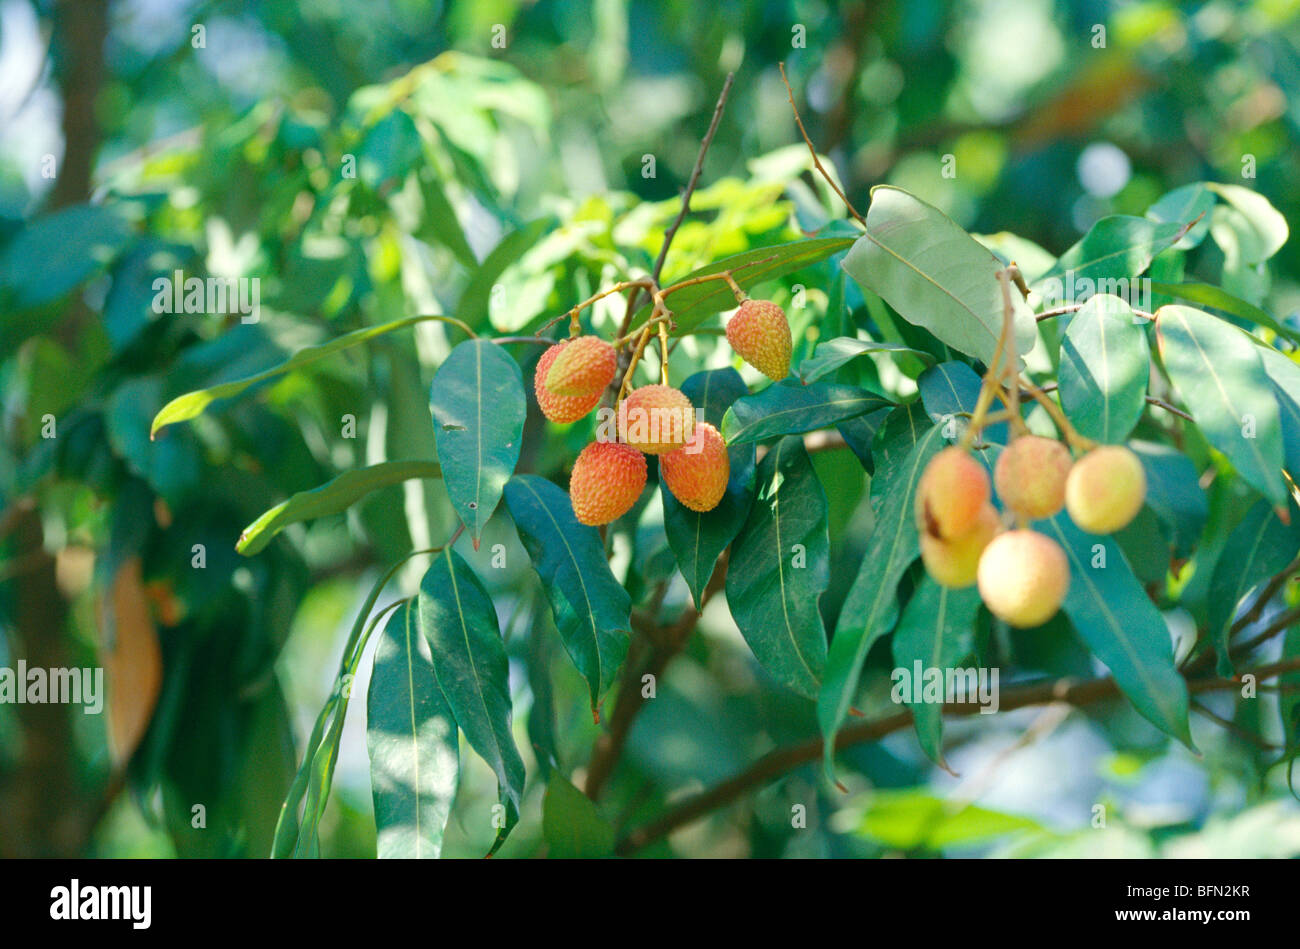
x=609 y=476
x=1023 y=575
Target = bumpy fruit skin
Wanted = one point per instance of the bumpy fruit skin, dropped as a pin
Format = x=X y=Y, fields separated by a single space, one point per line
x=697 y=473
x=955 y=563
x=656 y=419
x=585 y=365
x=1023 y=577
x=560 y=408
x=953 y=490
x=760 y=333
x=1105 y=489
x=607 y=479
x=1030 y=476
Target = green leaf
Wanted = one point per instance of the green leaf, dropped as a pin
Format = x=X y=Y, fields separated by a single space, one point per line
x=938 y=632
x=1220 y=299
x=412 y=741
x=389 y=150
x=1220 y=376
x=951 y=389
x=1185 y=205
x=478 y=404
x=1117 y=247
x=332 y=497
x=872 y=603
x=859 y=433
x=698 y=539
x=57 y=252
x=440 y=222
x=457 y=617
x=834 y=353
x=792 y=409
x=691 y=305
x=1267 y=225
x=1260 y=546
x=571 y=825
x=592 y=610
x=192 y=404
x=913 y=818
x=934 y=274
x=1284 y=374
x=1174 y=494
x=475 y=302
x=779 y=568
x=1122 y=627
x=1105 y=367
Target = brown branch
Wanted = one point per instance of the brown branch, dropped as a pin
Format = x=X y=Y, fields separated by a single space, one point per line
x=665 y=642
x=776 y=763
x=635 y=297
x=817 y=162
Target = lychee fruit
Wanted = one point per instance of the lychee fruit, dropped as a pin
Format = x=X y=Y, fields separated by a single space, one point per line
x=560 y=408
x=656 y=419
x=585 y=365
x=697 y=473
x=1023 y=577
x=1030 y=476
x=760 y=333
x=1105 y=489
x=953 y=490
x=955 y=562
x=606 y=480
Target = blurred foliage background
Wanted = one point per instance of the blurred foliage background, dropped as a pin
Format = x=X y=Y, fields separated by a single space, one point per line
x=210 y=137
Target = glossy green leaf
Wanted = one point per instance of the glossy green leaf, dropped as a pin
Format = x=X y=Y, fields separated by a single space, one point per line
x=333 y=497
x=860 y=434
x=413 y=743
x=192 y=404
x=571 y=826
x=791 y=409
x=478 y=404
x=1220 y=377
x=1268 y=226
x=1258 y=547
x=1189 y=205
x=698 y=539
x=457 y=617
x=1105 y=367
x=1284 y=375
x=1122 y=627
x=938 y=632
x=592 y=610
x=872 y=603
x=1219 y=299
x=834 y=353
x=779 y=568
x=934 y=274
x=475 y=301
x=691 y=305
x=1117 y=247
x=949 y=392
x=1174 y=494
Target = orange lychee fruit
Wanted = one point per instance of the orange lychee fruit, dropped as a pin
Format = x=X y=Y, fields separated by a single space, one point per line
x=955 y=562
x=1023 y=577
x=585 y=365
x=560 y=408
x=953 y=490
x=760 y=333
x=606 y=481
x=697 y=473
x=1105 y=489
x=1030 y=476
x=656 y=419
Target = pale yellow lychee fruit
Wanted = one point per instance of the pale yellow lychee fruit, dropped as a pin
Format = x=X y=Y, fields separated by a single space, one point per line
x=953 y=490
x=1023 y=577
x=1030 y=476
x=955 y=562
x=1105 y=489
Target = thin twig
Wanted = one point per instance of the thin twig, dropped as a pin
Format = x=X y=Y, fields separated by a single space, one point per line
x=817 y=162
